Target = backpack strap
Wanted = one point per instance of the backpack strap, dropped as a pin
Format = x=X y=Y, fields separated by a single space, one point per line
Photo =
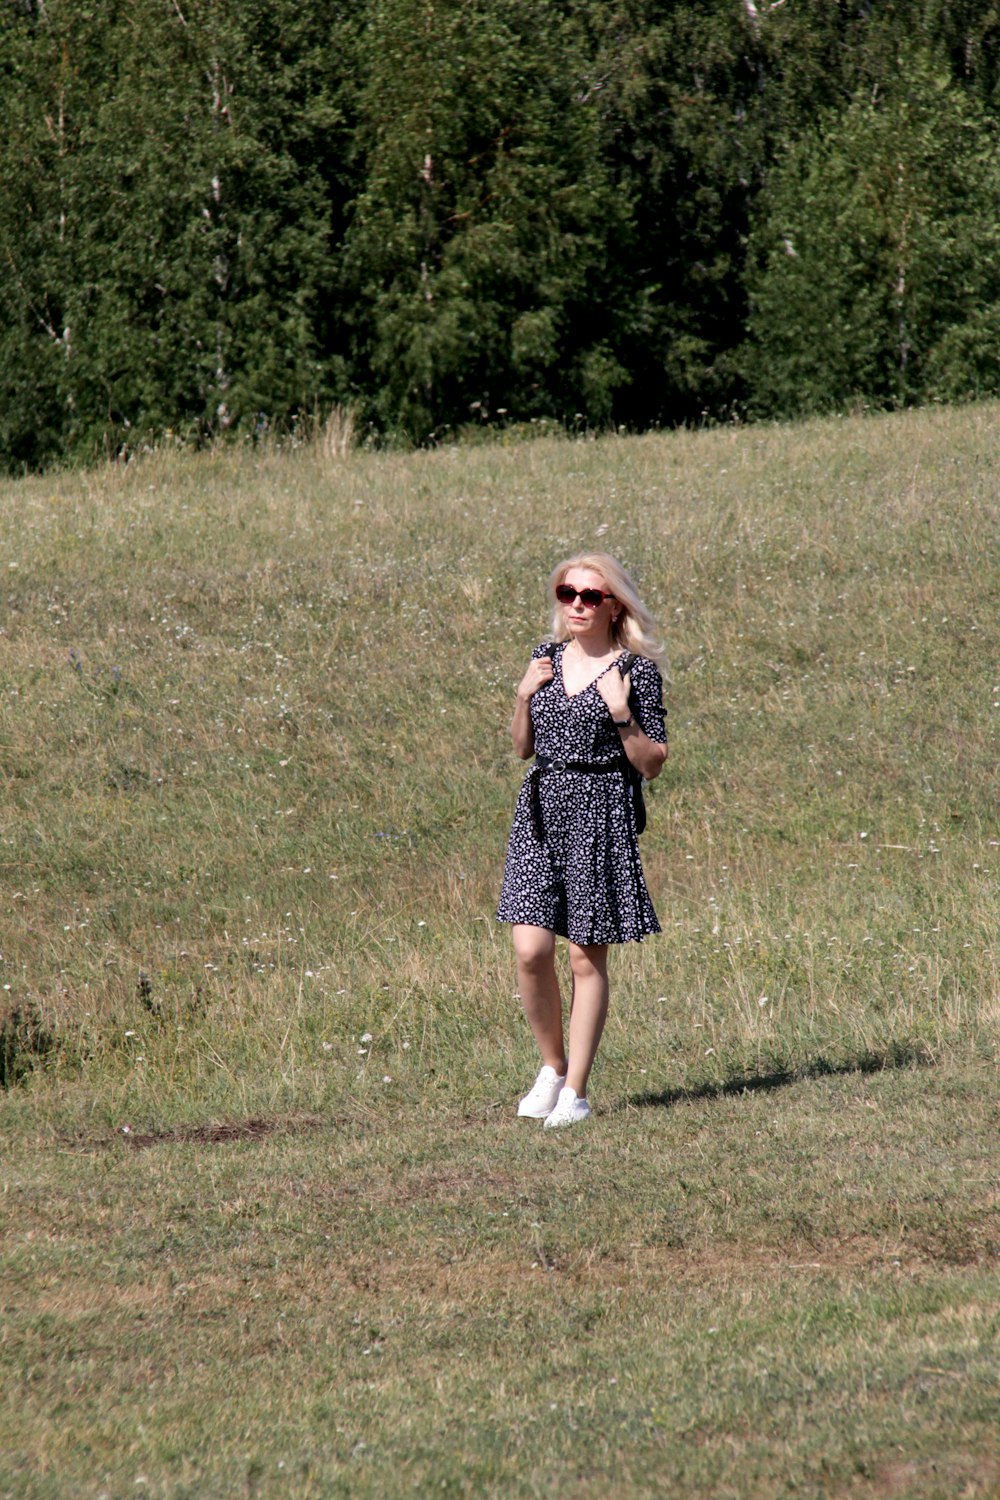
x=632 y=775
x=625 y=668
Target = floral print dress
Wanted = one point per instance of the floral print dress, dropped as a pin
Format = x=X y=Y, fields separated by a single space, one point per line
x=583 y=879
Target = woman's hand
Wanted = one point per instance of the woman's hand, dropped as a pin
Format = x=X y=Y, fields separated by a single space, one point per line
x=614 y=689
x=645 y=754
x=522 y=731
x=538 y=674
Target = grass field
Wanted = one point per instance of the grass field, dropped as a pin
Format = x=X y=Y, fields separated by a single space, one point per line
x=268 y=1224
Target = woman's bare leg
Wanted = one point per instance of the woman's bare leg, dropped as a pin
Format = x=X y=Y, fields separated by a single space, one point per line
x=538 y=986
x=588 y=1012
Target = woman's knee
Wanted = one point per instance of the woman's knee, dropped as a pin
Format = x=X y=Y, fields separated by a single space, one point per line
x=534 y=948
x=588 y=962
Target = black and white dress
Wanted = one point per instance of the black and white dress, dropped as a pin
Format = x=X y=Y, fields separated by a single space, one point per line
x=583 y=879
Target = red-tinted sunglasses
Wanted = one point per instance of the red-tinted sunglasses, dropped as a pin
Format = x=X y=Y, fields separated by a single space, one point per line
x=589 y=598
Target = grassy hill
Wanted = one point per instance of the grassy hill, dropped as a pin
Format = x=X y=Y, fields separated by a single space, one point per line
x=270 y=1226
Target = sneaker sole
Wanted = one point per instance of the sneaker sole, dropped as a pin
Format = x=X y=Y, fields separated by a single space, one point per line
x=551 y=1124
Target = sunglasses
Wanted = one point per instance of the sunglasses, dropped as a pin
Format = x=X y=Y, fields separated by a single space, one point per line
x=589 y=598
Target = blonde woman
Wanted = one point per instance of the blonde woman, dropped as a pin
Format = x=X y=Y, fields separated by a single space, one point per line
x=589 y=708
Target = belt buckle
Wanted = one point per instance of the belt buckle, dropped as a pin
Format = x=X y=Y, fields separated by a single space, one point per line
x=557 y=765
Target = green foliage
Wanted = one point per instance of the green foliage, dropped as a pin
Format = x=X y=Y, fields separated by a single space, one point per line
x=24 y=1042
x=166 y=230
x=225 y=216
x=484 y=214
x=876 y=256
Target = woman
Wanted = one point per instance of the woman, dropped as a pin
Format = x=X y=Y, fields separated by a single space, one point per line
x=573 y=866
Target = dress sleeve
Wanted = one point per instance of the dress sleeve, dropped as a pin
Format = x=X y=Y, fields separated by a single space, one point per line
x=544 y=648
x=647 y=699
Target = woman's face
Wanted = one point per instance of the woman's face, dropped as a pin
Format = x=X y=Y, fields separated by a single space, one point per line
x=584 y=622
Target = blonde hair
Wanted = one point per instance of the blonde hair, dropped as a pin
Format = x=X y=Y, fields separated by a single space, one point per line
x=634 y=629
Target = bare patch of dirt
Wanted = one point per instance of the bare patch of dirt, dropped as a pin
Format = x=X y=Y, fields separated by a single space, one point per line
x=445 y=1186
x=975 y=1241
x=224 y=1134
x=959 y=1476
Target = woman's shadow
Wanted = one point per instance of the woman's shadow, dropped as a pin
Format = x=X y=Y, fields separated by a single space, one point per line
x=898 y=1055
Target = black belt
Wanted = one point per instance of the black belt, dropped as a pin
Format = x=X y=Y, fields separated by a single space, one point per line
x=545 y=763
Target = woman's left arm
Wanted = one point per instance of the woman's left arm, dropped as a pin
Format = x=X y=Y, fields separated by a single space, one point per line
x=646 y=754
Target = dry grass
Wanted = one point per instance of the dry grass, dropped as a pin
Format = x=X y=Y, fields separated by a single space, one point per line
x=257 y=785
x=764 y=1294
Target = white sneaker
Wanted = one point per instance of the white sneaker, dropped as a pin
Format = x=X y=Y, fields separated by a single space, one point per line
x=569 y=1109
x=543 y=1096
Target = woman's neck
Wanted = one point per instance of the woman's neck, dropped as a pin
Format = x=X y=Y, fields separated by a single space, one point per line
x=594 y=650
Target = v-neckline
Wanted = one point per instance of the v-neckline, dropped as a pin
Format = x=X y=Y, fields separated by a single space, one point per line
x=562 y=676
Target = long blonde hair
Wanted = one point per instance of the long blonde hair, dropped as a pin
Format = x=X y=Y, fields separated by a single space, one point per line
x=634 y=629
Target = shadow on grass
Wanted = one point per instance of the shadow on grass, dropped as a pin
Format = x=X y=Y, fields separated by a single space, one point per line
x=899 y=1055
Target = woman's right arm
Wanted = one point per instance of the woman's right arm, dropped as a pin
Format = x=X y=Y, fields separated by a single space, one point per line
x=522 y=731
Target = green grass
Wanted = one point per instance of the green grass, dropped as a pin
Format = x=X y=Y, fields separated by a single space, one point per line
x=257 y=786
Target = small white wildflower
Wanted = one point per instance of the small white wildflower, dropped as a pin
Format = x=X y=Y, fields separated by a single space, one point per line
x=327 y=1046
x=709 y=1051
x=762 y=1000
x=386 y=1077
x=367 y=1037
x=130 y=1033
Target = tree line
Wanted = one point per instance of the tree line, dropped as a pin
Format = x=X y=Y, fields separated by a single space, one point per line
x=229 y=215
